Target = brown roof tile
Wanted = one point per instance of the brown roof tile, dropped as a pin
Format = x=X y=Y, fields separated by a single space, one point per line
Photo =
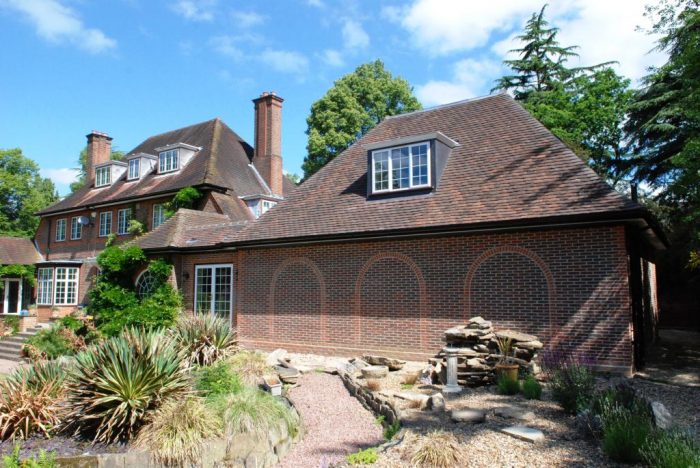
x=18 y=251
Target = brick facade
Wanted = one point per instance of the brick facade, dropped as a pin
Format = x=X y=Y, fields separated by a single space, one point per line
x=570 y=287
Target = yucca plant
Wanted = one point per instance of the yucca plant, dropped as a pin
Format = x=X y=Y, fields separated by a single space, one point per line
x=117 y=384
x=206 y=338
x=177 y=430
x=30 y=400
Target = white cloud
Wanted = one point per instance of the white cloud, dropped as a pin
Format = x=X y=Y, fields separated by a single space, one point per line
x=332 y=58
x=195 y=10
x=354 y=36
x=247 y=19
x=470 y=78
x=316 y=3
x=61 y=176
x=227 y=45
x=286 y=61
x=58 y=23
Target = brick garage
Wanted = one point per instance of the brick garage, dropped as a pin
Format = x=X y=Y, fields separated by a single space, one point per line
x=570 y=287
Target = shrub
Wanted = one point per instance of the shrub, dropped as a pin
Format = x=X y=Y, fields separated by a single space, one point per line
x=177 y=430
x=508 y=386
x=437 y=449
x=218 y=379
x=671 y=449
x=206 y=338
x=367 y=456
x=30 y=400
x=254 y=411
x=44 y=460
x=250 y=366
x=572 y=386
x=11 y=324
x=117 y=384
x=625 y=431
x=71 y=323
x=532 y=389
x=391 y=430
x=50 y=343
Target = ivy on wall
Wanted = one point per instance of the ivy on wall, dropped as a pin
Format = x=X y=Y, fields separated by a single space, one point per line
x=25 y=272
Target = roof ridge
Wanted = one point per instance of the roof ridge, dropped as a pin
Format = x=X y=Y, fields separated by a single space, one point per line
x=172 y=131
x=447 y=105
x=213 y=148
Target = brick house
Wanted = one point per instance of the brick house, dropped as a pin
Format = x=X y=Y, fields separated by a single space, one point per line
x=471 y=208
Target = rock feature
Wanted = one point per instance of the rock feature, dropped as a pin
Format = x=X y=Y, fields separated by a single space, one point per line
x=374 y=372
x=477 y=352
x=662 y=416
x=436 y=402
x=277 y=357
x=468 y=415
x=421 y=400
x=524 y=433
x=288 y=375
x=391 y=363
x=513 y=412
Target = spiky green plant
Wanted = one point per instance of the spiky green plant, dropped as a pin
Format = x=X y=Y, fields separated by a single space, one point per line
x=116 y=385
x=177 y=430
x=255 y=411
x=206 y=338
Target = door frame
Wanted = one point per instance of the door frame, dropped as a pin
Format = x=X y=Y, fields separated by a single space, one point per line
x=6 y=295
x=214 y=266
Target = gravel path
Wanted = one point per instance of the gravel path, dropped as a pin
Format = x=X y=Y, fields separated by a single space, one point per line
x=335 y=423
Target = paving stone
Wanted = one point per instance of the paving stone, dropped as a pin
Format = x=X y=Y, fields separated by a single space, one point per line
x=528 y=434
x=468 y=415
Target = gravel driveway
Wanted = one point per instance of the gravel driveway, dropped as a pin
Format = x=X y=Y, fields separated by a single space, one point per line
x=335 y=423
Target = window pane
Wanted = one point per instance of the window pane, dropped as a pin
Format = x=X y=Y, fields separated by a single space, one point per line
x=420 y=164
x=203 y=292
x=399 y=168
x=381 y=170
x=222 y=294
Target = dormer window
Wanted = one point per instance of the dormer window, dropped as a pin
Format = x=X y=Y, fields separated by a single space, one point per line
x=103 y=176
x=401 y=168
x=169 y=161
x=134 y=169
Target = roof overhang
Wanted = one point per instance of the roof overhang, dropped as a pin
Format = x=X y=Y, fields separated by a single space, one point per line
x=439 y=136
x=177 y=145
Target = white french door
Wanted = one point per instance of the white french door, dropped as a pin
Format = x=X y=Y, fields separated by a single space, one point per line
x=213 y=290
x=12 y=297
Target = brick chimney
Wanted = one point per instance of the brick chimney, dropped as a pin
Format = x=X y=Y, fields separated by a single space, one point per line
x=99 y=150
x=268 y=140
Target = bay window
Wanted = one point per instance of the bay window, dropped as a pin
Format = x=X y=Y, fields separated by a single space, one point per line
x=66 y=286
x=44 y=286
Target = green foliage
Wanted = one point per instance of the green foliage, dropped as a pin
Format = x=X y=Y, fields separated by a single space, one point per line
x=119 y=264
x=136 y=227
x=572 y=386
x=176 y=432
x=293 y=178
x=26 y=272
x=23 y=192
x=185 y=198
x=507 y=386
x=367 y=456
x=250 y=366
x=217 y=379
x=71 y=323
x=206 y=338
x=391 y=430
x=531 y=388
x=82 y=166
x=625 y=431
x=671 y=449
x=49 y=343
x=43 y=460
x=116 y=385
x=12 y=322
x=255 y=411
x=354 y=105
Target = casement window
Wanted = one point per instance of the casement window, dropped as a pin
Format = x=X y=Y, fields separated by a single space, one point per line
x=76 y=229
x=168 y=161
x=401 y=168
x=158 y=215
x=105 y=223
x=60 y=230
x=123 y=218
x=213 y=290
x=266 y=205
x=103 y=176
x=134 y=169
x=44 y=286
x=66 y=285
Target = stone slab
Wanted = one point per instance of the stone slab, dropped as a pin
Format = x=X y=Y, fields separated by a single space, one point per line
x=525 y=433
x=374 y=372
x=468 y=415
x=391 y=363
x=514 y=412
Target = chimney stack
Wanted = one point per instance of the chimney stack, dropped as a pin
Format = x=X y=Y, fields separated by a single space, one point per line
x=268 y=140
x=99 y=150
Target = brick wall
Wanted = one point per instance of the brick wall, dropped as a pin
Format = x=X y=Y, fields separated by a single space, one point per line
x=570 y=287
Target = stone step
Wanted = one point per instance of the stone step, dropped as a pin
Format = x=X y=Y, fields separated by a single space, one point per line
x=10 y=356
x=10 y=347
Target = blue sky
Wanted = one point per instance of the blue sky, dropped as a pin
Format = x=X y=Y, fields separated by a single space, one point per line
x=134 y=68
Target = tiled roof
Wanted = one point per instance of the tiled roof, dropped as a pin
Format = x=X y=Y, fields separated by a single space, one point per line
x=507 y=168
x=18 y=251
x=190 y=229
x=223 y=161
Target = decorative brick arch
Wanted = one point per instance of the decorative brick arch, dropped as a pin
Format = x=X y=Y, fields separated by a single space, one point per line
x=311 y=265
x=422 y=292
x=514 y=249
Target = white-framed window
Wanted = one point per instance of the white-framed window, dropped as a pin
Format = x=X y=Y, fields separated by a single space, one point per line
x=158 y=215
x=266 y=205
x=76 y=229
x=60 y=229
x=105 y=223
x=123 y=218
x=103 y=176
x=66 y=281
x=44 y=286
x=134 y=166
x=401 y=168
x=168 y=161
x=213 y=290
x=145 y=284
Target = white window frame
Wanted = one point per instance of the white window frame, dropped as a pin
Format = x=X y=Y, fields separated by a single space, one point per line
x=75 y=282
x=123 y=218
x=103 y=176
x=265 y=206
x=159 y=209
x=44 y=287
x=410 y=167
x=76 y=226
x=213 y=267
x=61 y=229
x=134 y=169
x=107 y=214
x=172 y=157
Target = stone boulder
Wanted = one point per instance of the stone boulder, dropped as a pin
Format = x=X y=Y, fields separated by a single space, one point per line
x=468 y=415
x=516 y=336
x=391 y=363
x=374 y=372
